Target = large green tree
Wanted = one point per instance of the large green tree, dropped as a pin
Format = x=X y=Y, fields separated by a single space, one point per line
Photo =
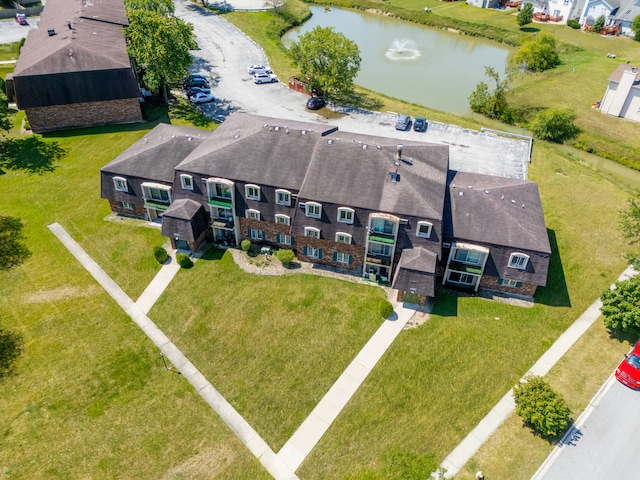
x=328 y=59
x=635 y=26
x=12 y=251
x=493 y=104
x=630 y=219
x=11 y=347
x=539 y=53
x=541 y=407
x=555 y=124
x=159 y=43
x=163 y=7
x=525 y=16
x=621 y=306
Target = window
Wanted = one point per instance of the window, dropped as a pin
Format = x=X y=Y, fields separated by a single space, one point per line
x=518 y=260
x=343 y=237
x=284 y=239
x=187 y=182
x=221 y=190
x=507 y=282
x=156 y=194
x=252 y=214
x=342 y=257
x=283 y=197
x=461 y=278
x=313 y=209
x=221 y=213
x=345 y=215
x=256 y=234
x=311 y=232
x=468 y=256
x=252 y=192
x=312 y=252
x=380 y=249
x=283 y=219
x=127 y=205
x=382 y=225
x=120 y=184
x=424 y=229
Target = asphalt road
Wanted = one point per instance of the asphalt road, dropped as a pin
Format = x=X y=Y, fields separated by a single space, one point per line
x=604 y=444
x=11 y=31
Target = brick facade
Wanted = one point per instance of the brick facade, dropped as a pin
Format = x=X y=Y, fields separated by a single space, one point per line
x=491 y=283
x=138 y=210
x=58 y=117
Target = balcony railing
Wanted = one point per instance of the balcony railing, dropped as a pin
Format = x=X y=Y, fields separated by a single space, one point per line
x=220 y=202
x=379 y=259
x=382 y=238
x=156 y=205
x=222 y=222
x=465 y=268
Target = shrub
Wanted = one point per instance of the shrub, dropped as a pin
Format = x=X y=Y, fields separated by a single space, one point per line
x=385 y=308
x=555 y=125
x=246 y=245
x=575 y=24
x=285 y=256
x=541 y=408
x=599 y=23
x=183 y=260
x=160 y=254
x=621 y=306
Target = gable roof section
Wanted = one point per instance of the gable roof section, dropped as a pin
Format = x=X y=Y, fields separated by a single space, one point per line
x=416 y=272
x=616 y=76
x=155 y=156
x=95 y=41
x=496 y=211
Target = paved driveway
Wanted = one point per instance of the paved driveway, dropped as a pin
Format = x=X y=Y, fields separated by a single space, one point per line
x=11 y=32
x=604 y=445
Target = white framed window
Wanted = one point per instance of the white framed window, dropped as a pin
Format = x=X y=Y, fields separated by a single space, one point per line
x=283 y=219
x=342 y=237
x=313 y=209
x=383 y=225
x=284 y=239
x=507 y=282
x=461 y=278
x=424 y=229
x=380 y=249
x=518 y=260
x=312 y=252
x=283 y=197
x=346 y=215
x=187 y=181
x=311 y=232
x=342 y=257
x=255 y=234
x=120 y=184
x=128 y=205
x=252 y=191
x=252 y=214
x=465 y=255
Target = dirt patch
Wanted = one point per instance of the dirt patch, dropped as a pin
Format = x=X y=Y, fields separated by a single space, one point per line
x=62 y=293
x=202 y=465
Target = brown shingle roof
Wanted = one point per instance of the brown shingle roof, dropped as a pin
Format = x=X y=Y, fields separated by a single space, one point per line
x=617 y=75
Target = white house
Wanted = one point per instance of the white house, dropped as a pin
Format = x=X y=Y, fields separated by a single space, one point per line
x=622 y=98
x=616 y=12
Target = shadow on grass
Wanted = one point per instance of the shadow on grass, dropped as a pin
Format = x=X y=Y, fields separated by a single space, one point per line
x=631 y=337
x=445 y=304
x=359 y=101
x=184 y=111
x=529 y=29
x=555 y=293
x=30 y=154
x=214 y=253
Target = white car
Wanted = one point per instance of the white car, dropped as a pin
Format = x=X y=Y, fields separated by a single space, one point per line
x=202 y=98
x=258 y=69
x=264 y=78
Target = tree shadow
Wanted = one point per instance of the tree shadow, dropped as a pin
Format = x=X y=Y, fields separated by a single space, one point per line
x=622 y=336
x=186 y=112
x=555 y=293
x=529 y=29
x=360 y=101
x=30 y=154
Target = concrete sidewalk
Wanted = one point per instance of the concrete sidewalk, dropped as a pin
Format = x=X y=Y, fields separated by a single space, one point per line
x=320 y=419
x=158 y=285
x=247 y=435
x=506 y=406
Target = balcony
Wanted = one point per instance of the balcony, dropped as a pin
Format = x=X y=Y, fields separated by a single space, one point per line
x=378 y=259
x=465 y=267
x=156 y=205
x=220 y=202
x=382 y=238
x=222 y=222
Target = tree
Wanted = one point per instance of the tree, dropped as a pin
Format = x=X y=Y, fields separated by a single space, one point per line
x=159 y=44
x=621 y=306
x=541 y=408
x=492 y=104
x=599 y=23
x=12 y=251
x=525 y=16
x=555 y=124
x=5 y=123
x=539 y=53
x=330 y=60
x=635 y=26
x=11 y=347
x=163 y=7
x=630 y=220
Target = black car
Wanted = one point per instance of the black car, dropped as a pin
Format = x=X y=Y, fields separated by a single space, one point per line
x=316 y=103
x=193 y=90
x=420 y=125
x=196 y=82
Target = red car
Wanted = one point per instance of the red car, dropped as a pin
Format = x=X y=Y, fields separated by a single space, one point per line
x=628 y=372
x=21 y=18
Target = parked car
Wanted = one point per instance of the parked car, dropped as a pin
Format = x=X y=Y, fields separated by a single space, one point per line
x=193 y=90
x=403 y=122
x=196 y=82
x=21 y=18
x=420 y=125
x=202 y=98
x=264 y=78
x=258 y=69
x=628 y=372
x=316 y=103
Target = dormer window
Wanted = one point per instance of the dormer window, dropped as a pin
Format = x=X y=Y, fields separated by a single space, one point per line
x=345 y=215
x=283 y=219
x=252 y=191
x=187 y=181
x=424 y=229
x=120 y=184
x=311 y=232
x=313 y=209
x=518 y=260
x=252 y=214
x=343 y=237
x=283 y=197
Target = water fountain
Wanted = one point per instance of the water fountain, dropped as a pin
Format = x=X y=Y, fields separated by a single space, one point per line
x=403 y=49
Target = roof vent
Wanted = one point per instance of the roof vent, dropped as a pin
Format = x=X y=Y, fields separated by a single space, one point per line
x=486 y=191
x=286 y=130
x=395 y=176
x=51 y=32
x=69 y=25
x=145 y=140
x=513 y=201
x=502 y=197
x=378 y=147
x=265 y=125
x=303 y=132
x=460 y=194
x=277 y=129
x=364 y=147
x=329 y=142
x=189 y=138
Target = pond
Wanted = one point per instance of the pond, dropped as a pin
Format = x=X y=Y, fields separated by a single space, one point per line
x=430 y=67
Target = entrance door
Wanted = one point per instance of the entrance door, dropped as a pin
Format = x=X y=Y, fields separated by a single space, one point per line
x=182 y=245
